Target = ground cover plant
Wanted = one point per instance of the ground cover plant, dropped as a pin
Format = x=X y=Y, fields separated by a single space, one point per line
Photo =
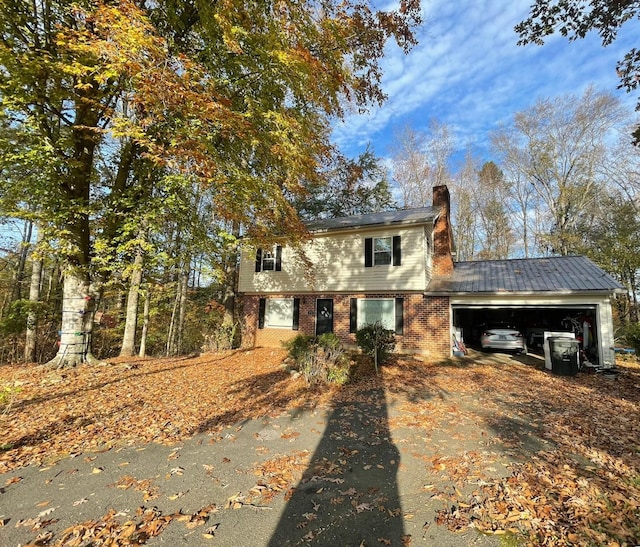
x=569 y=445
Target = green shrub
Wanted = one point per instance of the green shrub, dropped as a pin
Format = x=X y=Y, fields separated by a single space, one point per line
x=632 y=336
x=7 y=395
x=376 y=341
x=321 y=359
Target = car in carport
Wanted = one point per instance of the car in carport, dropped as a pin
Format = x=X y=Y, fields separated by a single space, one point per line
x=502 y=336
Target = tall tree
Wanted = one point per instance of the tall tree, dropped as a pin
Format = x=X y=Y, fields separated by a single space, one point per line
x=557 y=146
x=464 y=210
x=612 y=239
x=351 y=187
x=575 y=19
x=491 y=196
x=420 y=161
x=234 y=95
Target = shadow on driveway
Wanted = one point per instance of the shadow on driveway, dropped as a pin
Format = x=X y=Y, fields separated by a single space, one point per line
x=349 y=493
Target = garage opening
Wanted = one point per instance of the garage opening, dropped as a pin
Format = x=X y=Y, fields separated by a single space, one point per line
x=532 y=322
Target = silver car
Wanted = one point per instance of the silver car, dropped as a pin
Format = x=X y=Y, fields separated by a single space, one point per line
x=504 y=337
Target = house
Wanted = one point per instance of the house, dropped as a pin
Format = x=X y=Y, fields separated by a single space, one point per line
x=397 y=267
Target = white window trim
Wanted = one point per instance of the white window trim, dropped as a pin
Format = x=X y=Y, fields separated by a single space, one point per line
x=270 y=259
x=390 y=252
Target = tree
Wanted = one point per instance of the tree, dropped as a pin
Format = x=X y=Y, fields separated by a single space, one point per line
x=464 y=210
x=575 y=19
x=611 y=238
x=234 y=97
x=491 y=196
x=557 y=147
x=352 y=187
x=420 y=162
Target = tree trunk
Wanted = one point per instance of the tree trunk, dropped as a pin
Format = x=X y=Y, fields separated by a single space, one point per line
x=172 y=342
x=145 y=323
x=128 y=348
x=230 y=280
x=74 y=341
x=16 y=293
x=32 y=317
x=184 y=286
x=77 y=305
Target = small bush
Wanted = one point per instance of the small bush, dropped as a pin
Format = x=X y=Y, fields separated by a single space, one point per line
x=222 y=338
x=321 y=360
x=632 y=336
x=7 y=394
x=376 y=341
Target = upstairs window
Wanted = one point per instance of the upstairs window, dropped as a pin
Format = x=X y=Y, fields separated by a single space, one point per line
x=269 y=260
x=382 y=251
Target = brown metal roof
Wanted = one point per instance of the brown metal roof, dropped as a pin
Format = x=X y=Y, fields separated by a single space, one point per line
x=563 y=274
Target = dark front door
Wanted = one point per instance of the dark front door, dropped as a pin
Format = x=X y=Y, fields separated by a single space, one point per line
x=324 y=316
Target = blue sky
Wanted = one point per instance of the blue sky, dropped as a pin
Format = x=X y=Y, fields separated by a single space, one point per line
x=468 y=73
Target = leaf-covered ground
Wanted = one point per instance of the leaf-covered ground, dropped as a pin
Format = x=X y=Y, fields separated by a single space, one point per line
x=499 y=445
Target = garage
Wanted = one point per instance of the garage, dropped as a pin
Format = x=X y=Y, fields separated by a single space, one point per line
x=580 y=320
x=553 y=294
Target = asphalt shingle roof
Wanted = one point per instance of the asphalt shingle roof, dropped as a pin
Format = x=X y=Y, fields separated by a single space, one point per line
x=563 y=274
x=403 y=216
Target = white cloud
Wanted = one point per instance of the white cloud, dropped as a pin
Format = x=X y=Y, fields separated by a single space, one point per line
x=468 y=72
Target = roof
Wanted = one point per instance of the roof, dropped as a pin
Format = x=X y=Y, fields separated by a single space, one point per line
x=402 y=216
x=559 y=274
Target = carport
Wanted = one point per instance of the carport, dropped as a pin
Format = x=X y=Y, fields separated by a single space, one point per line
x=555 y=294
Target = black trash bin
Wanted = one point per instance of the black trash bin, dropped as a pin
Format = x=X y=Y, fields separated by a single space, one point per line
x=564 y=355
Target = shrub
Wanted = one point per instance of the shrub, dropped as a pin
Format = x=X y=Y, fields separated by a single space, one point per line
x=632 y=336
x=222 y=338
x=321 y=359
x=376 y=341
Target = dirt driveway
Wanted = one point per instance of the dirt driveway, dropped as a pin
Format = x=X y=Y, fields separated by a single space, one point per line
x=232 y=450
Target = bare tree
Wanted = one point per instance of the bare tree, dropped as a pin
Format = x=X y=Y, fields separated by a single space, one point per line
x=420 y=161
x=491 y=197
x=463 y=209
x=557 y=146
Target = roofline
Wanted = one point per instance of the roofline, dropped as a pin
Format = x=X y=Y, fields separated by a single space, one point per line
x=564 y=292
x=426 y=220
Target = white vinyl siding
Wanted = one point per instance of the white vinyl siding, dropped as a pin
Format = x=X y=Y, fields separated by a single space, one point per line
x=338 y=265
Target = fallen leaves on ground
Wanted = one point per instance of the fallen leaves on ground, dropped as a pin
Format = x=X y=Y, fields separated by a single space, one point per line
x=573 y=443
x=92 y=408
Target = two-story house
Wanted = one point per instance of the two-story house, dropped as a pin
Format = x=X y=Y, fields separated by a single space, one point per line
x=397 y=268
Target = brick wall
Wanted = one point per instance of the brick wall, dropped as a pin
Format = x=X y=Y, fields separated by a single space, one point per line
x=426 y=322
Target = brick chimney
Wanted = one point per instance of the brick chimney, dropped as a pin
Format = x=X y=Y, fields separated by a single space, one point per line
x=442 y=234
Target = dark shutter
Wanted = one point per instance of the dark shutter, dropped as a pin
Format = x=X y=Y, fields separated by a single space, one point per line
x=353 y=315
x=296 y=313
x=368 y=252
x=261 y=310
x=397 y=251
x=278 y=258
x=399 y=315
x=259 y=260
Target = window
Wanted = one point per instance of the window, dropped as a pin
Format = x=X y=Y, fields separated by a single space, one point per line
x=382 y=251
x=283 y=313
x=388 y=311
x=269 y=260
